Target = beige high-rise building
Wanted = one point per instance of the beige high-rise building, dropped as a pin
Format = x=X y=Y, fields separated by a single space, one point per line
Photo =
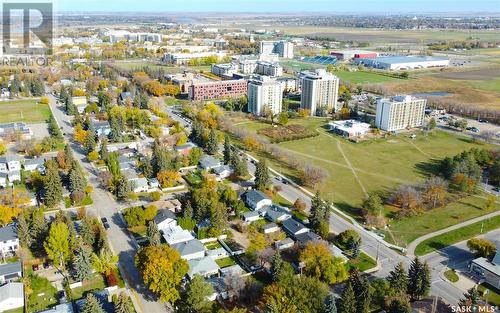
x=320 y=91
x=264 y=94
x=400 y=112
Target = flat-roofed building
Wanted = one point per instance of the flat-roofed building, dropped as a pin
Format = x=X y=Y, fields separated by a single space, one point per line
x=400 y=112
x=398 y=63
x=283 y=48
x=319 y=92
x=264 y=95
x=218 y=89
x=349 y=128
x=226 y=69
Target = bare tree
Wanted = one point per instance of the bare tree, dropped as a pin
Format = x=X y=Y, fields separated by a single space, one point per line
x=408 y=199
x=435 y=191
x=235 y=285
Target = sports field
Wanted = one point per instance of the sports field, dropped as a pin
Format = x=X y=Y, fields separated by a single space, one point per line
x=355 y=169
x=364 y=77
x=28 y=111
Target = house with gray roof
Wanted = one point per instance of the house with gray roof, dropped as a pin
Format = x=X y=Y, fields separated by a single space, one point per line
x=205 y=267
x=275 y=213
x=251 y=216
x=102 y=128
x=304 y=238
x=3 y=180
x=218 y=253
x=284 y=244
x=11 y=296
x=60 y=308
x=165 y=218
x=192 y=249
x=10 y=272
x=488 y=270
x=293 y=228
x=9 y=163
x=9 y=241
x=208 y=162
x=36 y=164
x=270 y=228
x=140 y=184
x=256 y=199
x=125 y=97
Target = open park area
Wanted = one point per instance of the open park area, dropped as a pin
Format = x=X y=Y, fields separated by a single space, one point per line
x=132 y=65
x=381 y=165
x=27 y=111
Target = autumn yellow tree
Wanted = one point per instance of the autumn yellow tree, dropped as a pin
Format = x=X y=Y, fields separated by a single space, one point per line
x=162 y=270
x=320 y=263
x=7 y=214
x=168 y=178
x=251 y=143
x=80 y=134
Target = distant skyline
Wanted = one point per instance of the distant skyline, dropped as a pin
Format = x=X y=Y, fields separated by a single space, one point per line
x=280 y=6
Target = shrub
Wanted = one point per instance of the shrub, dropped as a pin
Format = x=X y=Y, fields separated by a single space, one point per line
x=287 y=133
x=111 y=279
x=156 y=195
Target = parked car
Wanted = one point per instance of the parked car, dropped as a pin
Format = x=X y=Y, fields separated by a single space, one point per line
x=105 y=223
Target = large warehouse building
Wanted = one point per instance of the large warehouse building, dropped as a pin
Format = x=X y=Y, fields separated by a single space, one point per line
x=353 y=54
x=403 y=62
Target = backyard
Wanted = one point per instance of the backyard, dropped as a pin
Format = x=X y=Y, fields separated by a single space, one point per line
x=28 y=111
x=355 y=169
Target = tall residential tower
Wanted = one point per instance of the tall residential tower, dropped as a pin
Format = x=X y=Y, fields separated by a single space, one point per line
x=320 y=91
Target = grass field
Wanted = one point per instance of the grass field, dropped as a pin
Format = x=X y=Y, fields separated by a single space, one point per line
x=380 y=165
x=452 y=237
x=363 y=263
x=169 y=69
x=38 y=302
x=364 y=77
x=28 y=111
x=96 y=283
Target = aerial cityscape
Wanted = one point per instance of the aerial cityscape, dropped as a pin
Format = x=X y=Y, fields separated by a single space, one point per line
x=250 y=156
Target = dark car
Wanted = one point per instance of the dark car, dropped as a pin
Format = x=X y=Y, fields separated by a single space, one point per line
x=105 y=223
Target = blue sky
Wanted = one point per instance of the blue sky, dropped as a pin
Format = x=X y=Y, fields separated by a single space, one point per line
x=333 y=6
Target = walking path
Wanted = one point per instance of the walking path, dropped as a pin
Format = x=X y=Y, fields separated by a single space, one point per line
x=416 y=242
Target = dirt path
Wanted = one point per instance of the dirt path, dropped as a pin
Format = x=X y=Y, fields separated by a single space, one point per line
x=339 y=146
x=420 y=150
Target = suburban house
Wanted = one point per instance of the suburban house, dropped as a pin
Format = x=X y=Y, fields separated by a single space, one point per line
x=154 y=184
x=175 y=234
x=125 y=98
x=36 y=164
x=205 y=267
x=173 y=205
x=192 y=249
x=270 y=228
x=14 y=176
x=9 y=163
x=293 y=227
x=223 y=172
x=102 y=129
x=66 y=307
x=9 y=242
x=275 y=213
x=3 y=180
x=10 y=272
x=165 y=219
x=125 y=163
x=256 y=199
x=488 y=270
x=185 y=149
x=208 y=162
x=80 y=103
x=18 y=128
x=284 y=244
x=337 y=252
x=304 y=238
x=140 y=184
x=218 y=253
x=251 y=216
x=11 y=296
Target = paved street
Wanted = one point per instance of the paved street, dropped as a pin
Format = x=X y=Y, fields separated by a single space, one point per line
x=104 y=205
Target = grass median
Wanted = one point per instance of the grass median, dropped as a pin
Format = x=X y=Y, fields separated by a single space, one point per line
x=454 y=236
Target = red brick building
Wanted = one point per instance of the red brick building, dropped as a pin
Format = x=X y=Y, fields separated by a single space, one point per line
x=218 y=89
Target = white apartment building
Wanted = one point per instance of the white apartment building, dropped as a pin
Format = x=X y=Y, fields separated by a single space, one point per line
x=320 y=91
x=264 y=94
x=226 y=69
x=269 y=68
x=400 y=112
x=283 y=48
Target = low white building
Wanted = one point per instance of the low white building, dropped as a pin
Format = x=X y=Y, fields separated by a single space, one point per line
x=189 y=250
x=11 y=296
x=256 y=199
x=9 y=241
x=350 y=128
x=175 y=234
x=165 y=219
x=205 y=267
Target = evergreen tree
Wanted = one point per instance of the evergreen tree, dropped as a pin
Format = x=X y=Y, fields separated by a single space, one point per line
x=123 y=188
x=239 y=166
x=89 y=144
x=419 y=279
x=23 y=232
x=471 y=297
x=330 y=306
x=262 y=177
x=122 y=304
x=228 y=149
x=320 y=215
x=212 y=145
x=354 y=246
x=87 y=231
x=52 y=184
x=348 y=300
x=153 y=234
x=218 y=220
x=83 y=263
x=147 y=167
x=362 y=292
x=69 y=106
x=92 y=305
x=68 y=153
x=188 y=210
x=398 y=280
x=197 y=294
x=104 y=153
x=77 y=180
x=276 y=266
x=15 y=86
x=116 y=129
x=39 y=227
x=399 y=306
x=53 y=128
x=197 y=131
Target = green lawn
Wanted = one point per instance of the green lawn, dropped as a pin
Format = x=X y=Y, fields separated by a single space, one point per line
x=493 y=295
x=279 y=200
x=43 y=295
x=225 y=262
x=452 y=237
x=451 y=276
x=213 y=245
x=28 y=111
x=96 y=283
x=380 y=165
x=362 y=263
x=169 y=69
x=360 y=77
